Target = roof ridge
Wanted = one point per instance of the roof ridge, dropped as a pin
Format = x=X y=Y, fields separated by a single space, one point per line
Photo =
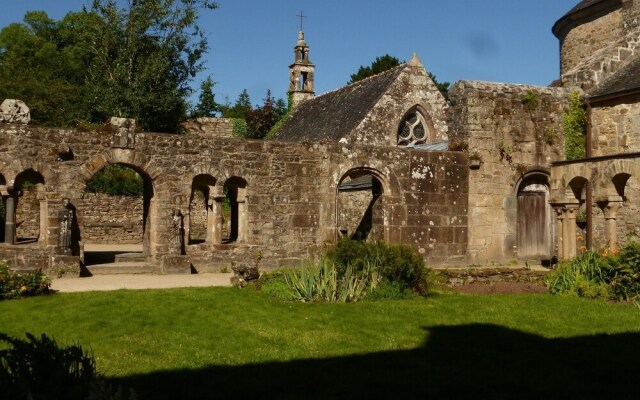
x=362 y=81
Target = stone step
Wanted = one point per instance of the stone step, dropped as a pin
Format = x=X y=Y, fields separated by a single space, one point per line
x=122 y=268
x=130 y=257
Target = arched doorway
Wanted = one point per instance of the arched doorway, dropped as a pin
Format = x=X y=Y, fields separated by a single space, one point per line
x=30 y=207
x=534 y=230
x=201 y=215
x=114 y=215
x=360 y=206
x=234 y=210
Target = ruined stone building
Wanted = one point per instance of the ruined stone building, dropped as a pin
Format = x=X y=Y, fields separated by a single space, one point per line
x=477 y=179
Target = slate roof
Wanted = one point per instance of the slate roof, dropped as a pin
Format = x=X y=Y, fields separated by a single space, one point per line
x=332 y=116
x=624 y=80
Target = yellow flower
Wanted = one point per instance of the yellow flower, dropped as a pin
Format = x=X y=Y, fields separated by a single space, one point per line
x=23 y=289
x=583 y=248
x=615 y=252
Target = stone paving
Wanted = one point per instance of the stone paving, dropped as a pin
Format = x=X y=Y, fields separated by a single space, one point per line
x=139 y=281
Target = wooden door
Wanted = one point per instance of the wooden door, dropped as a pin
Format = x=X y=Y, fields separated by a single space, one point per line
x=533 y=225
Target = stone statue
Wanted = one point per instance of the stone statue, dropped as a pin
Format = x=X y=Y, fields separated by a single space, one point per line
x=65 y=221
x=177 y=231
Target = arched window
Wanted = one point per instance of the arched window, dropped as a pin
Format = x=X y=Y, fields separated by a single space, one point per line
x=413 y=130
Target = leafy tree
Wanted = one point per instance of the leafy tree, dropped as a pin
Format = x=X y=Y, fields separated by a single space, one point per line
x=44 y=63
x=148 y=52
x=207 y=106
x=240 y=108
x=387 y=62
x=116 y=180
x=137 y=62
x=261 y=119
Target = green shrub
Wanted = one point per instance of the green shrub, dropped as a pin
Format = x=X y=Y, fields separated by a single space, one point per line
x=390 y=291
x=573 y=127
x=609 y=274
x=40 y=369
x=15 y=285
x=397 y=263
x=324 y=282
x=117 y=180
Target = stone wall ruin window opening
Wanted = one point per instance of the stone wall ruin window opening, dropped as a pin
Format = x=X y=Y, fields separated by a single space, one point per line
x=203 y=212
x=360 y=206
x=234 y=211
x=27 y=209
x=116 y=215
x=413 y=129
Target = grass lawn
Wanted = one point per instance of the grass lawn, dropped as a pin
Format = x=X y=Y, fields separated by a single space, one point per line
x=222 y=343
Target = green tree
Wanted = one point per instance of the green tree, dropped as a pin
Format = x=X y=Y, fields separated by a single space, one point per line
x=380 y=64
x=44 y=63
x=387 y=62
x=207 y=106
x=145 y=56
x=261 y=119
x=137 y=62
x=240 y=107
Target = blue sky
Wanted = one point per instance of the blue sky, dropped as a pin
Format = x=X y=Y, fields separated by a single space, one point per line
x=251 y=41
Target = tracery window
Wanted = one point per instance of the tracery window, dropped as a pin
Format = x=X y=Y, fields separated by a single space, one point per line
x=413 y=130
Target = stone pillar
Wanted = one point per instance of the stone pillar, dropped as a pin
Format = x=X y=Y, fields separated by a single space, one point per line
x=559 y=232
x=210 y=220
x=610 y=210
x=44 y=220
x=569 y=231
x=242 y=219
x=10 y=221
x=216 y=231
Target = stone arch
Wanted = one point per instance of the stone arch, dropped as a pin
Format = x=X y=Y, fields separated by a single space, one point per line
x=615 y=178
x=534 y=215
x=576 y=189
x=404 y=133
x=361 y=201
x=146 y=226
x=29 y=208
x=202 y=213
x=235 y=189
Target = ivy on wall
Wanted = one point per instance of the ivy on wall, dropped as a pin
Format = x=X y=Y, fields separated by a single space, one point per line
x=573 y=127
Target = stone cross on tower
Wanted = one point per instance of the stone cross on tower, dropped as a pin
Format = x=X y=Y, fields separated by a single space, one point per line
x=301 y=71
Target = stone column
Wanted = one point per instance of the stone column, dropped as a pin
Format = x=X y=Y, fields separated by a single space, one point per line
x=242 y=219
x=559 y=232
x=10 y=221
x=210 y=220
x=44 y=220
x=569 y=231
x=610 y=210
x=216 y=211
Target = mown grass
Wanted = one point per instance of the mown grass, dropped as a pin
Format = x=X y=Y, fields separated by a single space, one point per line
x=192 y=343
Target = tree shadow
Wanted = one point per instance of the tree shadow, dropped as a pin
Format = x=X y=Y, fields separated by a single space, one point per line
x=479 y=361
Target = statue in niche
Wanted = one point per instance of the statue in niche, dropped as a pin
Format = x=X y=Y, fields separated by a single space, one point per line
x=65 y=223
x=177 y=230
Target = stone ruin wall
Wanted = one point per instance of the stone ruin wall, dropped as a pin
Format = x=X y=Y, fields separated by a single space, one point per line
x=491 y=117
x=106 y=219
x=28 y=215
x=291 y=189
x=218 y=127
x=616 y=127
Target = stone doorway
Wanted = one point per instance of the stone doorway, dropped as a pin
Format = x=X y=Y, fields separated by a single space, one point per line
x=534 y=219
x=115 y=218
x=360 y=207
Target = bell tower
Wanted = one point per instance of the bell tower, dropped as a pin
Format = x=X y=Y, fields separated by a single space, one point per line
x=301 y=71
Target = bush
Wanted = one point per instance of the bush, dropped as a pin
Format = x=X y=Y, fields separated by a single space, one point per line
x=40 y=368
x=399 y=264
x=324 y=282
x=14 y=285
x=117 y=180
x=608 y=274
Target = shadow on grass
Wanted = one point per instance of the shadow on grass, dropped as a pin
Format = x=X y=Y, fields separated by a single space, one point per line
x=479 y=361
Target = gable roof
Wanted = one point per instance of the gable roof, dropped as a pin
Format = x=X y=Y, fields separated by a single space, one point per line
x=334 y=115
x=626 y=79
